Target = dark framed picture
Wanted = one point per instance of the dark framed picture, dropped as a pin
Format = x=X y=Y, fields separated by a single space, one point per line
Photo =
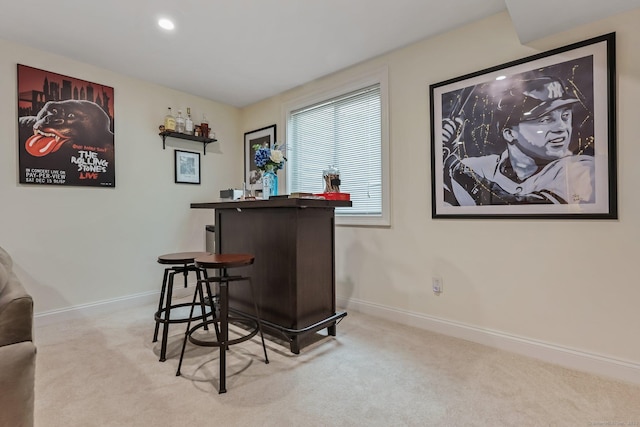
x=187 y=165
x=533 y=138
x=65 y=130
x=265 y=137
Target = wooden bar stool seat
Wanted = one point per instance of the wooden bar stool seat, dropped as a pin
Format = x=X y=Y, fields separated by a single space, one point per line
x=178 y=263
x=222 y=263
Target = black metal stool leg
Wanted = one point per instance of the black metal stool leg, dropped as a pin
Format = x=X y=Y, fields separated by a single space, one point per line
x=160 y=303
x=203 y=308
x=224 y=334
x=185 y=269
x=213 y=309
x=185 y=272
x=167 y=314
x=255 y=307
x=186 y=333
x=165 y=327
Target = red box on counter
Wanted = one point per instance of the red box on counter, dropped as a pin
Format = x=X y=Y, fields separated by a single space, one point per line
x=335 y=196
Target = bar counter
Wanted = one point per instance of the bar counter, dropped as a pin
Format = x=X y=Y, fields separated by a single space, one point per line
x=293 y=240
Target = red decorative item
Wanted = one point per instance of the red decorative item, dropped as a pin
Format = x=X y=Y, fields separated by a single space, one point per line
x=335 y=196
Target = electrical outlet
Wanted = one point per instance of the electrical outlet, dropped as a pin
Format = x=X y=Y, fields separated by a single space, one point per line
x=437 y=285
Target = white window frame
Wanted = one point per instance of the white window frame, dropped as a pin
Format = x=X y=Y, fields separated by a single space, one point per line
x=336 y=89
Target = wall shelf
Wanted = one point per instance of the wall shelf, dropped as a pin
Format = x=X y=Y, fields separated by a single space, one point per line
x=204 y=140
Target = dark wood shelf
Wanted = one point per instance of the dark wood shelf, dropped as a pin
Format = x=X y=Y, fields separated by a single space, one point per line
x=203 y=139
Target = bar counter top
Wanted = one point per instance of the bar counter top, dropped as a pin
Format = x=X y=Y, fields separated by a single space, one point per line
x=275 y=202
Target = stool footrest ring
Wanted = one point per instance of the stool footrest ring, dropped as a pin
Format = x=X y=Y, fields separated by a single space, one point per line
x=159 y=318
x=250 y=322
x=220 y=279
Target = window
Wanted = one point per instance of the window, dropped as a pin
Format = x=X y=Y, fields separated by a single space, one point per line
x=345 y=128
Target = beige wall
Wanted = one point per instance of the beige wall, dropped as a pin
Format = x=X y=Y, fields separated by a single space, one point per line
x=75 y=246
x=570 y=284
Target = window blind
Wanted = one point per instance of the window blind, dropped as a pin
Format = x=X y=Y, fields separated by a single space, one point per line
x=345 y=132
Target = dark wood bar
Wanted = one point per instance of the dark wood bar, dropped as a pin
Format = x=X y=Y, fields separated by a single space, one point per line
x=293 y=240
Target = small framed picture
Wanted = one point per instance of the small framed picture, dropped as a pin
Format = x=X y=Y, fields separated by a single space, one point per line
x=187 y=165
x=265 y=137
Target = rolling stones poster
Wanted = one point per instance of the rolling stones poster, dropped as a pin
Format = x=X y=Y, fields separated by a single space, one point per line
x=66 y=130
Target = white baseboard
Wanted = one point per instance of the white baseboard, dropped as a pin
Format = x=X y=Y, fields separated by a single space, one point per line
x=95 y=308
x=570 y=358
x=107 y=306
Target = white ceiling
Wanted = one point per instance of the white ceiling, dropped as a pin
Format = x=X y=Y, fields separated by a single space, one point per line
x=536 y=19
x=242 y=51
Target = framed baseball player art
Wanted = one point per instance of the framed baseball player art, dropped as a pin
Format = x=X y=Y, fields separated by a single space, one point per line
x=533 y=138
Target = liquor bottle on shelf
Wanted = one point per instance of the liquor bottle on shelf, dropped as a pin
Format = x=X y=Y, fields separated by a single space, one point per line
x=188 y=123
x=204 y=126
x=180 y=122
x=169 y=122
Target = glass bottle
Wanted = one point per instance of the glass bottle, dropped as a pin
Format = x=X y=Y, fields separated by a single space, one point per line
x=180 y=122
x=204 y=126
x=188 y=123
x=331 y=177
x=169 y=122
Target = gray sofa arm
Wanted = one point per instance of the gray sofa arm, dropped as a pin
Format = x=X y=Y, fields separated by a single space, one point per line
x=17 y=376
x=16 y=313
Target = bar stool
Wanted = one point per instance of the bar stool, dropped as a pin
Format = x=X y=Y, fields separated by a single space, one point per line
x=223 y=262
x=180 y=262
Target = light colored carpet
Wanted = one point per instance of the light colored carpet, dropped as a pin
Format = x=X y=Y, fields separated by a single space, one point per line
x=104 y=371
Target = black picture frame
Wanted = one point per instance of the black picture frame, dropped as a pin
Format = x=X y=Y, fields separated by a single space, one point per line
x=265 y=136
x=531 y=138
x=187 y=167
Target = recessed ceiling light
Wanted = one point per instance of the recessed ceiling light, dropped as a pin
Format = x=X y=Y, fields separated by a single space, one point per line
x=165 y=23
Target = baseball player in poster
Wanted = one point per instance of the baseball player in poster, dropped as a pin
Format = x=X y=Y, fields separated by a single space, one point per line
x=535 y=120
